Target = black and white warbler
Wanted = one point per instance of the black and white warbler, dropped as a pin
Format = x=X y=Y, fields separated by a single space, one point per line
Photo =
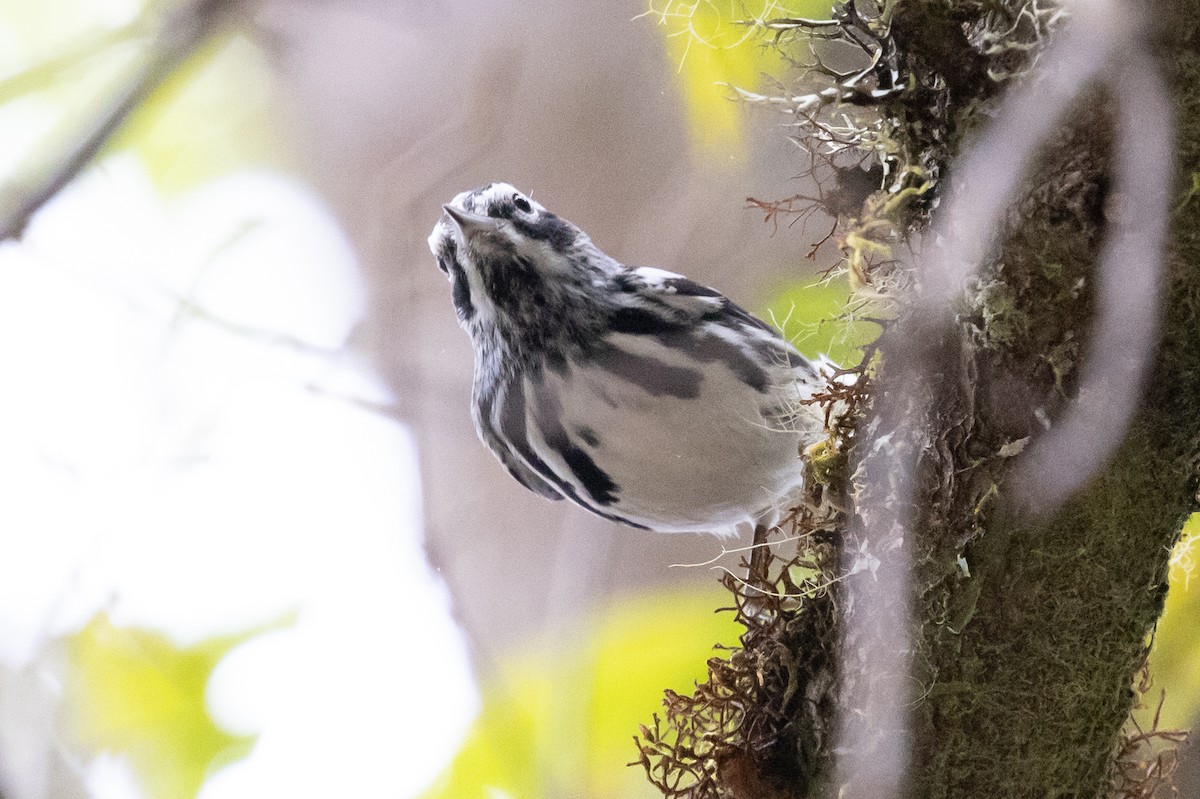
x=636 y=393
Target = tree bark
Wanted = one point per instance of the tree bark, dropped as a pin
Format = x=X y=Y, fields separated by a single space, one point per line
x=1027 y=632
x=1027 y=666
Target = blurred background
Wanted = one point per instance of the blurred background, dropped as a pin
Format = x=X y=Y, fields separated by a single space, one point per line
x=253 y=546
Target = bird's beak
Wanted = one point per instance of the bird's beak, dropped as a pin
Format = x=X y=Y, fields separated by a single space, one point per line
x=467 y=222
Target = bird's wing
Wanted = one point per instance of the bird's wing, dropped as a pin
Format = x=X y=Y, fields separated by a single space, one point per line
x=669 y=302
x=688 y=300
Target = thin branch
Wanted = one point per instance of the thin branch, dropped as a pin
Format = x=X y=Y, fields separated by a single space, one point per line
x=71 y=58
x=181 y=34
x=790 y=23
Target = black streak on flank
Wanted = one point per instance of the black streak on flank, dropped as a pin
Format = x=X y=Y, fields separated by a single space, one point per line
x=589 y=436
x=594 y=480
x=460 y=292
x=515 y=466
x=652 y=375
x=512 y=426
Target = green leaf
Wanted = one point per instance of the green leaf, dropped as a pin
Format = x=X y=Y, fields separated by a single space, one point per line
x=1175 y=661
x=820 y=320
x=196 y=127
x=712 y=52
x=134 y=692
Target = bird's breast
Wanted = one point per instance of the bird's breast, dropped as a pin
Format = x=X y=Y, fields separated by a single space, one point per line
x=671 y=439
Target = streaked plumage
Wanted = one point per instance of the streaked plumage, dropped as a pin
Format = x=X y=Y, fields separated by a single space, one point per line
x=634 y=392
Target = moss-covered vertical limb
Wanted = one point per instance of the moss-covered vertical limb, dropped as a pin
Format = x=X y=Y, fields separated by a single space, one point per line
x=1029 y=633
x=1028 y=697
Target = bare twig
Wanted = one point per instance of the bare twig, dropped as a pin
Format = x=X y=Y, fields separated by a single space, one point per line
x=71 y=58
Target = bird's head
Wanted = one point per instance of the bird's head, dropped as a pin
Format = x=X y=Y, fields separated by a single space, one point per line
x=509 y=259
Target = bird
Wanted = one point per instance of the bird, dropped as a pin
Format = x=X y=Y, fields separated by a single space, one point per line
x=636 y=393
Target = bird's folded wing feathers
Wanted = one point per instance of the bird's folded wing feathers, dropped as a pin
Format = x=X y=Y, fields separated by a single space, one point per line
x=688 y=304
x=689 y=298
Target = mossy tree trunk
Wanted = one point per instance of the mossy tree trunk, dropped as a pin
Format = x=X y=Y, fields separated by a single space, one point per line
x=1026 y=667
x=1028 y=633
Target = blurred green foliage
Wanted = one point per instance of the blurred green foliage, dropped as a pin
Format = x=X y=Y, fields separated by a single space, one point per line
x=62 y=65
x=1175 y=660
x=559 y=717
x=129 y=691
x=134 y=692
x=212 y=116
x=815 y=316
x=712 y=51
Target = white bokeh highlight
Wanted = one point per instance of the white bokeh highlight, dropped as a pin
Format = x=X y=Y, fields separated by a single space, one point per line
x=188 y=444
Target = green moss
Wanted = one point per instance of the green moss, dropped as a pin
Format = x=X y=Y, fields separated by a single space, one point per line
x=1058 y=631
x=1003 y=320
x=827 y=465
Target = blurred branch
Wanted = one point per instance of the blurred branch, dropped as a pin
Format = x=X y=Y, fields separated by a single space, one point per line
x=181 y=33
x=190 y=309
x=56 y=66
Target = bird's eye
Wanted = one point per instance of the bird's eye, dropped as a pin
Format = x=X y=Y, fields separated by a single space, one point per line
x=522 y=204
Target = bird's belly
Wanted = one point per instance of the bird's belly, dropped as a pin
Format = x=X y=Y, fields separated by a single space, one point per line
x=712 y=462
